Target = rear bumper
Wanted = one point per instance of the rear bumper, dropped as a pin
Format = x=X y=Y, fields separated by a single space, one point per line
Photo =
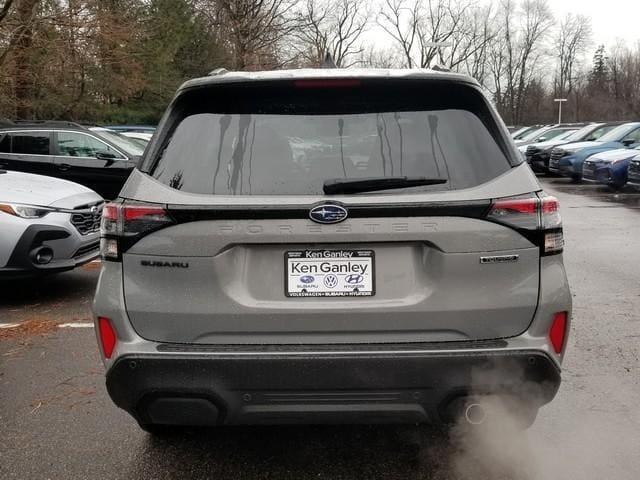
x=276 y=386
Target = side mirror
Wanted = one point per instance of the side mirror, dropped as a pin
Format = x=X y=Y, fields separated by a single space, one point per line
x=628 y=142
x=542 y=139
x=105 y=156
x=591 y=139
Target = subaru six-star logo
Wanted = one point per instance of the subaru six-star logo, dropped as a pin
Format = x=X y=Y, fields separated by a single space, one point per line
x=328 y=213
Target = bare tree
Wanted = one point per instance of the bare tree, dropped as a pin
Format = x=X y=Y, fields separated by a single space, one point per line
x=334 y=27
x=572 y=39
x=255 y=30
x=517 y=53
x=400 y=19
x=452 y=33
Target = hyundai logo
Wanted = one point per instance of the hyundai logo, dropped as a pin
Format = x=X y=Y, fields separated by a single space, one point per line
x=328 y=213
x=354 y=278
x=307 y=279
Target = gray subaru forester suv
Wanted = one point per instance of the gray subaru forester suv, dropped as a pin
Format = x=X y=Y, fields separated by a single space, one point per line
x=329 y=246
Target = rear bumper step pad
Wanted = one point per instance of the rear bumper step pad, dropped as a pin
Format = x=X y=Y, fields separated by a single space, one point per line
x=376 y=387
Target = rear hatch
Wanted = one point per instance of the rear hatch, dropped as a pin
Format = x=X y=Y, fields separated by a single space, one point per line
x=249 y=249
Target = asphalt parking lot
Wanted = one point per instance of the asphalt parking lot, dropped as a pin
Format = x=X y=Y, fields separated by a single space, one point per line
x=56 y=420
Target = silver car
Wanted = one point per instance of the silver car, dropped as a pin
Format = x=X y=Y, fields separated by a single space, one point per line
x=318 y=246
x=47 y=225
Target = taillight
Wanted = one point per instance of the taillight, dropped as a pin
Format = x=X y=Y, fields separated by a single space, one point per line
x=558 y=331
x=538 y=218
x=123 y=225
x=107 y=336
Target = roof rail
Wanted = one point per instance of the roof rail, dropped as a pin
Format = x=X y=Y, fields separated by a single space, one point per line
x=45 y=123
x=217 y=71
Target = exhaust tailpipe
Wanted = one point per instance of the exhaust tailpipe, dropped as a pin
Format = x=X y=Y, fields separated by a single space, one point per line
x=475 y=414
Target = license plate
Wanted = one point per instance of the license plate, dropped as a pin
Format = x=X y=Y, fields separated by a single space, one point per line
x=330 y=273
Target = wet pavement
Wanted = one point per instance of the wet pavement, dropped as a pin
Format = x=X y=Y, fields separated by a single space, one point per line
x=56 y=420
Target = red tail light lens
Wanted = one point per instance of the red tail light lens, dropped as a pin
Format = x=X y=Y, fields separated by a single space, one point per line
x=516 y=212
x=537 y=217
x=558 y=331
x=107 y=336
x=123 y=225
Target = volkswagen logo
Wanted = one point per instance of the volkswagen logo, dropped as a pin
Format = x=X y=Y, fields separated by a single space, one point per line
x=328 y=213
x=353 y=279
x=330 y=281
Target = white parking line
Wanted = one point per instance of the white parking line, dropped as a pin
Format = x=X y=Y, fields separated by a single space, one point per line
x=75 y=325
x=9 y=325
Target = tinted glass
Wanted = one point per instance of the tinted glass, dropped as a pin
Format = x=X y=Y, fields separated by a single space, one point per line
x=33 y=143
x=618 y=133
x=535 y=134
x=269 y=153
x=125 y=144
x=551 y=134
x=634 y=136
x=599 y=132
x=72 y=144
x=5 y=143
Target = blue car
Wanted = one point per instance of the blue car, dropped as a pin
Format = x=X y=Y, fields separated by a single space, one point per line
x=568 y=159
x=609 y=168
x=633 y=173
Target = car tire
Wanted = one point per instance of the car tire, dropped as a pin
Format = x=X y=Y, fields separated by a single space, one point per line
x=576 y=178
x=161 y=431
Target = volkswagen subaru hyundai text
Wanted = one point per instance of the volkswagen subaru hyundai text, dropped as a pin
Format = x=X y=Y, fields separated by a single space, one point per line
x=319 y=246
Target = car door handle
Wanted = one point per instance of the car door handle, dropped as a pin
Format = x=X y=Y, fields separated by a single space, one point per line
x=63 y=167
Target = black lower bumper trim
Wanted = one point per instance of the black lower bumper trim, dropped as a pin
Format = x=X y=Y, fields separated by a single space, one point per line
x=410 y=387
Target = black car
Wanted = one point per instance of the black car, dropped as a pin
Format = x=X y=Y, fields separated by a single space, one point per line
x=95 y=157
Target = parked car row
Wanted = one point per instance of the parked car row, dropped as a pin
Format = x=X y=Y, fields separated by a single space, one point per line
x=48 y=224
x=96 y=157
x=605 y=153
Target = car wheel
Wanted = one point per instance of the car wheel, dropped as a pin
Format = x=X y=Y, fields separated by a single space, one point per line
x=157 y=430
x=576 y=178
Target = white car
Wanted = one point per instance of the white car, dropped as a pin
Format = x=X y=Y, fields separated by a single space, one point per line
x=141 y=138
x=47 y=225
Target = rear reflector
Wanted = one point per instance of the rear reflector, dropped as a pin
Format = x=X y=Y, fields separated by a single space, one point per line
x=107 y=336
x=558 y=331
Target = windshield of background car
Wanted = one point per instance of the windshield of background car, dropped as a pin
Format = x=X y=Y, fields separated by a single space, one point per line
x=565 y=135
x=129 y=147
x=289 y=139
x=534 y=134
x=618 y=133
x=588 y=131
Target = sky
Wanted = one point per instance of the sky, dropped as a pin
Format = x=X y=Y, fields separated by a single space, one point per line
x=611 y=19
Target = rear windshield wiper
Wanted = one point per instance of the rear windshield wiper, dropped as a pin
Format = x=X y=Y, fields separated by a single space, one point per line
x=358 y=185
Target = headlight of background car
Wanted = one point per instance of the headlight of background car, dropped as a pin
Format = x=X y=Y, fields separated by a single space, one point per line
x=25 y=211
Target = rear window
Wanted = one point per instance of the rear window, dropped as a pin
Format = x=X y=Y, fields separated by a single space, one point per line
x=287 y=140
x=30 y=143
